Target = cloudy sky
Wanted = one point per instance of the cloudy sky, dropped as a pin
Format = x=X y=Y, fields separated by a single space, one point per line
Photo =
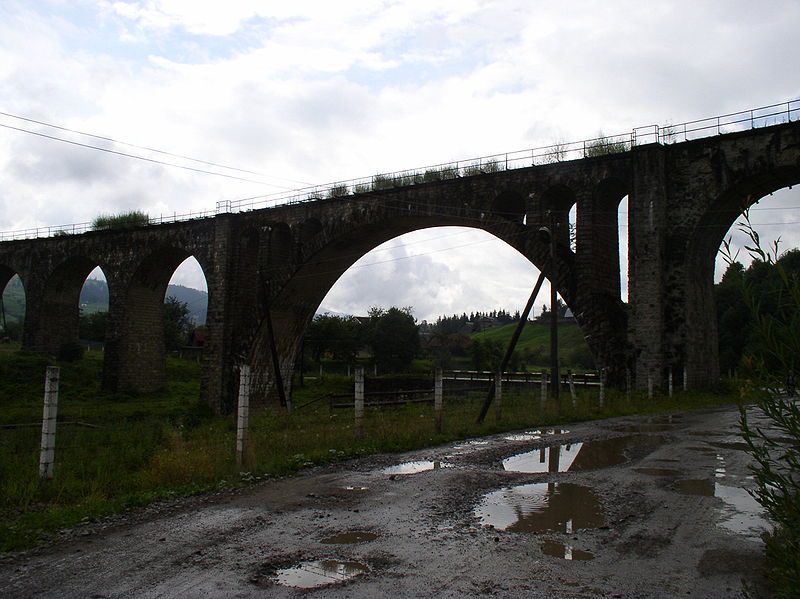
x=313 y=91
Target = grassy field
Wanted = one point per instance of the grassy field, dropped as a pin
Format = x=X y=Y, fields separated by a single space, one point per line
x=139 y=449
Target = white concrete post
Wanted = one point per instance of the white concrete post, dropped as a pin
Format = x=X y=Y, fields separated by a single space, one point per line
x=544 y=387
x=574 y=395
x=627 y=384
x=670 y=382
x=437 y=399
x=49 y=415
x=243 y=413
x=602 y=395
x=359 y=402
x=498 y=396
x=685 y=379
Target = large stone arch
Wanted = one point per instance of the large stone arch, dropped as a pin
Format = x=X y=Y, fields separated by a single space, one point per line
x=696 y=342
x=296 y=300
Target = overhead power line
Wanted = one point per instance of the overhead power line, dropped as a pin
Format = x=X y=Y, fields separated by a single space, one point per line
x=146 y=148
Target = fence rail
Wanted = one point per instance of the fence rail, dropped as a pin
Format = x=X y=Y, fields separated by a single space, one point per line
x=752 y=118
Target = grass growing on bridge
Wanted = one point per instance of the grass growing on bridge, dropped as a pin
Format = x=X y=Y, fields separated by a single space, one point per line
x=115 y=452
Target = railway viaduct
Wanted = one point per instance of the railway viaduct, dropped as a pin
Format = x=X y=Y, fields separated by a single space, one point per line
x=268 y=270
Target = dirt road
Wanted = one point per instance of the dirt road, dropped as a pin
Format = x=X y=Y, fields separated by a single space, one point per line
x=627 y=507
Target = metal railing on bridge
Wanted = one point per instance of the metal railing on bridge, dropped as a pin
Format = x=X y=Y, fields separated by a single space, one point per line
x=753 y=118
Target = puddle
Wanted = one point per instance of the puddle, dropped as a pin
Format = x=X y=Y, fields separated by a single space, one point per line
x=537 y=434
x=658 y=471
x=415 y=467
x=350 y=538
x=309 y=575
x=695 y=486
x=574 y=457
x=741 y=513
x=564 y=551
x=541 y=507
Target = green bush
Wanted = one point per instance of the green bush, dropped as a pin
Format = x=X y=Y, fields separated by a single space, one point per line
x=338 y=191
x=605 y=145
x=126 y=220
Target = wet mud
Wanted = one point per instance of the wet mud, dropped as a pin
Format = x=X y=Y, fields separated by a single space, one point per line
x=627 y=507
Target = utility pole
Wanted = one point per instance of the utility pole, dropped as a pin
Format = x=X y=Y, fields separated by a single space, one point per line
x=555 y=375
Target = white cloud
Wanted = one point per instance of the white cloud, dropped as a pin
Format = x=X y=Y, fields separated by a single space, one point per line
x=318 y=91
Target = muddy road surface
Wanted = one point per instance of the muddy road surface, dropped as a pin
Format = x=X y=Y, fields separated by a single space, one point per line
x=628 y=507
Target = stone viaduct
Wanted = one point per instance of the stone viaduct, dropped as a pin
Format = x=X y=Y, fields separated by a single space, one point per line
x=271 y=268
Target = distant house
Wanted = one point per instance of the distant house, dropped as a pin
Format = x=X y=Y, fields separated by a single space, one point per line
x=198 y=337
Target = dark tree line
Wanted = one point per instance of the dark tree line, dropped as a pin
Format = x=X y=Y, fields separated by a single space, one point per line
x=455 y=323
x=390 y=337
x=737 y=337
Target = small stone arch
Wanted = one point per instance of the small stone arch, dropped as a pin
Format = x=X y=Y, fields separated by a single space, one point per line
x=555 y=204
x=7 y=274
x=309 y=229
x=510 y=205
x=135 y=348
x=53 y=320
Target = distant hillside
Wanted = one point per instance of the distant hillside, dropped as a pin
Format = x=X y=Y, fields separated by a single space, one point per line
x=573 y=351
x=94 y=298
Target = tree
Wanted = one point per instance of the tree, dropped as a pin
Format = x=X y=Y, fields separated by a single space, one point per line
x=92 y=327
x=341 y=336
x=736 y=318
x=394 y=336
x=772 y=296
x=177 y=324
x=487 y=354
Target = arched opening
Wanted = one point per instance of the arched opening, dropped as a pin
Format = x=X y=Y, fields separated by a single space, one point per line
x=54 y=327
x=434 y=272
x=622 y=237
x=309 y=229
x=598 y=237
x=93 y=310
x=186 y=310
x=556 y=204
x=773 y=217
x=12 y=305
x=437 y=271
x=697 y=341
x=510 y=206
x=137 y=343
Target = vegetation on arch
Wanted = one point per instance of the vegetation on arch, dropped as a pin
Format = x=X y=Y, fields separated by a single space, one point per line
x=125 y=220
